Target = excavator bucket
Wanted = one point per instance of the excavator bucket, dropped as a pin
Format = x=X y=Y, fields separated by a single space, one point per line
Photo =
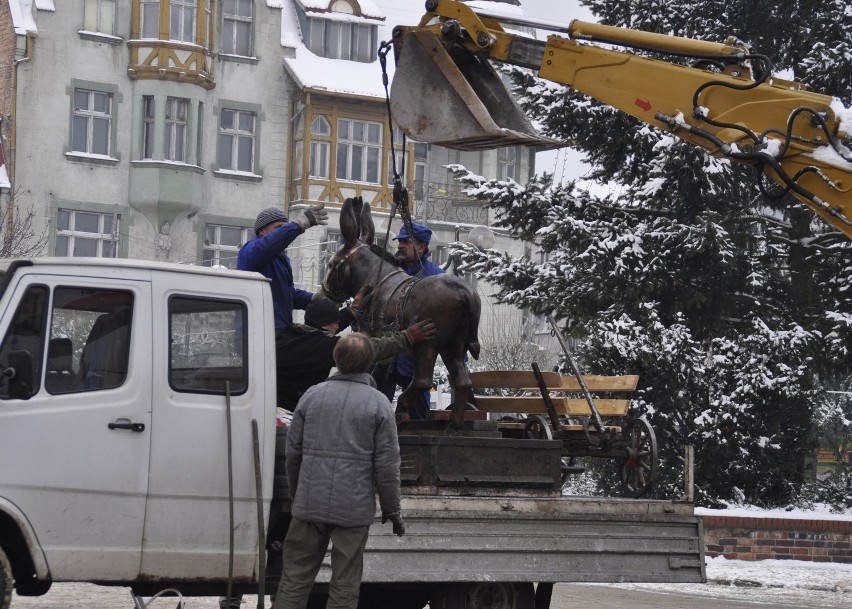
x=456 y=100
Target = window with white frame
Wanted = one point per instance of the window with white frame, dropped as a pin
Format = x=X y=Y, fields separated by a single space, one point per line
x=359 y=150
x=508 y=163
x=340 y=39
x=99 y=16
x=207 y=34
x=148 y=127
x=150 y=18
x=91 y=125
x=327 y=250
x=320 y=147
x=222 y=244
x=182 y=20
x=342 y=6
x=85 y=233
x=236 y=27
x=236 y=140
x=177 y=112
x=421 y=164
x=396 y=155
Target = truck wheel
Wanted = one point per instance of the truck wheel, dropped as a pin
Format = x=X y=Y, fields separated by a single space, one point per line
x=6 y=582
x=484 y=595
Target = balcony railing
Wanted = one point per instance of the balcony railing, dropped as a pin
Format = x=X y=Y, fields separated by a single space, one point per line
x=447 y=203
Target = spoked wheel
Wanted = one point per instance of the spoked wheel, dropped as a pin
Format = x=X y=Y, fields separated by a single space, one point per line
x=6 y=582
x=639 y=468
x=484 y=595
x=537 y=428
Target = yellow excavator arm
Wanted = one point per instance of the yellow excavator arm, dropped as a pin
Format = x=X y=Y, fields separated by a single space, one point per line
x=446 y=92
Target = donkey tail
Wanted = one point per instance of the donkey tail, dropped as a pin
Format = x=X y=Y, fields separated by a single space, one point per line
x=474 y=308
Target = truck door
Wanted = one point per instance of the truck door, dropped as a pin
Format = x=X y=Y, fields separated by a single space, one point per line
x=204 y=345
x=75 y=419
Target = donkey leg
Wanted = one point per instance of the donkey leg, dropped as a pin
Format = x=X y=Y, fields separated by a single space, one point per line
x=460 y=380
x=424 y=363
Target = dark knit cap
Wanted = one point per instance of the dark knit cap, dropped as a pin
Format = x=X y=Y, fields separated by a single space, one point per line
x=321 y=312
x=267 y=217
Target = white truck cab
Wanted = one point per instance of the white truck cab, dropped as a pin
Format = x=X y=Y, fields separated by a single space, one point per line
x=116 y=375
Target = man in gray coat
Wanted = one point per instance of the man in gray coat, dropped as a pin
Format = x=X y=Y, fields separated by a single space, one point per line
x=341 y=449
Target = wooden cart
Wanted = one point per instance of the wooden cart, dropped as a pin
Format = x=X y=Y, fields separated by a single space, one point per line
x=591 y=421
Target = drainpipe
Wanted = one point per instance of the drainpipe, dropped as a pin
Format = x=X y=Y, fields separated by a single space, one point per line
x=28 y=54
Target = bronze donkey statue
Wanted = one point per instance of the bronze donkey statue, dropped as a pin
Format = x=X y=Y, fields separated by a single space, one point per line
x=398 y=299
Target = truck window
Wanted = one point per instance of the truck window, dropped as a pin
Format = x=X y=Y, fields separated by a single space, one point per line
x=207 y=342
x=26 y=333
x=89 y=346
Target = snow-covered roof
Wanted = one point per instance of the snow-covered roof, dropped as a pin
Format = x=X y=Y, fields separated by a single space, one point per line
x=22 y=17
x=4 y=177
x=45 y=5
x=353 y=77
x=368 y=8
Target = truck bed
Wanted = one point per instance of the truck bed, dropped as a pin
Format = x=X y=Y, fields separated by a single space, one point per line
x=565 y=539
x=489 y=509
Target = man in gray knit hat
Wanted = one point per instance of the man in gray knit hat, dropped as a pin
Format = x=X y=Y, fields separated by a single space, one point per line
x=267 y=255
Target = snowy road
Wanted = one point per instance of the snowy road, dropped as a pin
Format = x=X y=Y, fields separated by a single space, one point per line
x=768 y=584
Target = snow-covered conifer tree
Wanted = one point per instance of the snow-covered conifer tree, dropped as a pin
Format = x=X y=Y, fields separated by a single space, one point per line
x=734 y=307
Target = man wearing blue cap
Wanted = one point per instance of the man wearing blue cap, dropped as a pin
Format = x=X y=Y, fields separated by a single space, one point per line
x=413 y=256
x=267 y=255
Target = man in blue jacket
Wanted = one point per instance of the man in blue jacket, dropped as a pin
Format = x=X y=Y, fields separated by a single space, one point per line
x=267 y=255
x=412 y=251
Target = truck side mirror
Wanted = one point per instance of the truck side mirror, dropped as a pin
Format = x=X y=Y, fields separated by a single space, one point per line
x=19 y=375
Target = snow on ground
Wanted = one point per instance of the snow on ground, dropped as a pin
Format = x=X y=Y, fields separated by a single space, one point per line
x=815 y=583
x=819 y=512
x=789 y=574
x=787 y=582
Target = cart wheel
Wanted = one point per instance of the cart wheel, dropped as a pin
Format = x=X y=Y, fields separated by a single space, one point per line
x=639 y=468
x=537 y=428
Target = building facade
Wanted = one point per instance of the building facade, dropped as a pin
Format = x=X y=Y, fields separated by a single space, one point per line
x=158 y=129
x=152 y=129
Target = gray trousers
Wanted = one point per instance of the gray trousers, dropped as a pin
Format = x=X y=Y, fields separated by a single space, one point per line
x=304 y=549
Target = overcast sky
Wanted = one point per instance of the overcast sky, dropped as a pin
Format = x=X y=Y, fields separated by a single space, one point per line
x=565 y=164
x=560 y=11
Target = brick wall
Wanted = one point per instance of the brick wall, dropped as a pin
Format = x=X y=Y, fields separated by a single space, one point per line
x=745 y=538
x=7 y=58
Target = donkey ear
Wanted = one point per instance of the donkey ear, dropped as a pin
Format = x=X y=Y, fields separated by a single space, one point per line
x=357 y=206
x=368 y=229
x=348 y=223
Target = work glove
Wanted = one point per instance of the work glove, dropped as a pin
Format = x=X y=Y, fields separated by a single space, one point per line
x=398 y=523
x=312 y=216
x=420 y=332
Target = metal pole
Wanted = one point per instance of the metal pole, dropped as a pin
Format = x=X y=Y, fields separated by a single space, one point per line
x=596 y=416
x=230 y=496
x=261 y=534
x=689 y=473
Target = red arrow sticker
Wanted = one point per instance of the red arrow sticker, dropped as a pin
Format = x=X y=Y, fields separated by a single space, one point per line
x=645 y=105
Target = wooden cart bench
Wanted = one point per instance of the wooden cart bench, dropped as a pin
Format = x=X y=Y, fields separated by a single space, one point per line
x=528 y=399
x=630 y=442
